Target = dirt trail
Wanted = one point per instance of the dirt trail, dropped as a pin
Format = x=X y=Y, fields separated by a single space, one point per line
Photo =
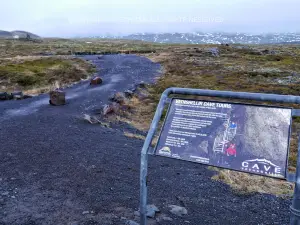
x=56 y=169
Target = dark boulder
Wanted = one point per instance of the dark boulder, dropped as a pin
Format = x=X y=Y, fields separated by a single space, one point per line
x=4 y=96
x=57 y=97
x=96 y=81
x=27 y=96
x=18 y=95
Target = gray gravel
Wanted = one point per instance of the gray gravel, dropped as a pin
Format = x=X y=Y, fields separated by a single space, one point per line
x=54 y=168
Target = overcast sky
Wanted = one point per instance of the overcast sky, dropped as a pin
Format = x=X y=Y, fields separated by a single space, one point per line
x=96 y=17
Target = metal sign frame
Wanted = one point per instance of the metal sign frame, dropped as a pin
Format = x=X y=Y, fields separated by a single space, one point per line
x=291 y=177
x=233 y=103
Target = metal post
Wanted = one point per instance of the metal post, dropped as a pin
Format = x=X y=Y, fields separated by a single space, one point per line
x=143 y=187
x=144 y=159
x=295 y=207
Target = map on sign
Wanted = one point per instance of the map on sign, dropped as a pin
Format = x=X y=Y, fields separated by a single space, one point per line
x=248 y=138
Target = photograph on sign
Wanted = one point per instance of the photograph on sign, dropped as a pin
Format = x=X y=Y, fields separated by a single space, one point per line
x=247 y=138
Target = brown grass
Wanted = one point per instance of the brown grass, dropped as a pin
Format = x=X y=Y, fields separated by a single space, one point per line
x=137 y=136
x=243 y=183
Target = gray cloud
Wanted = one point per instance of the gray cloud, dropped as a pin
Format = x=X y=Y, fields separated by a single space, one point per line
x=95 y=17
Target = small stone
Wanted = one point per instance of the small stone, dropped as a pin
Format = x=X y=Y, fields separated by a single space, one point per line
x=151 y=210
x=178 y=210
x=85 y=212
x=5 y=193
x=13 y=196
x=153 y=207
x=142 y=85
x=137 y=213
x=131 y=222
x=150 y=213
x=163 y=217
x=166 y=218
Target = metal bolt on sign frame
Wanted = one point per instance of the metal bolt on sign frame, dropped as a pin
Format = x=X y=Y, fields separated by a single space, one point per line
x=295 y=207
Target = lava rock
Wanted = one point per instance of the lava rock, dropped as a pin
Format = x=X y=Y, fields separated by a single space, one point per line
x=17 y=95
x=27 y=96
x=57 y=97
x=4 y=96
x=131 y=222
x=96 y=81
x=178 y=210
x=141 y=85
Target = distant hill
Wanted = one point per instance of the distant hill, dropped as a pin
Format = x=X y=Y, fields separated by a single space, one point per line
x=18 y=34
x=5 y=34
x=23 y=34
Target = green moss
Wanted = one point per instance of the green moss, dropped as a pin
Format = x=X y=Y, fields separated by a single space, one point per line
x=43 y=72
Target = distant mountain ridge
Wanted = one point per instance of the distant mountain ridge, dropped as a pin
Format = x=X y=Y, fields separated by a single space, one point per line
x=17 y=34
x=5 y=34
x=212 y=38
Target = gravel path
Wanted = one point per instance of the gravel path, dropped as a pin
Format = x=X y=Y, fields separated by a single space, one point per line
x=57 y=169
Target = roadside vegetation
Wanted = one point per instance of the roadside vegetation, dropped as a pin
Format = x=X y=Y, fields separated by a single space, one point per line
x=38 y=74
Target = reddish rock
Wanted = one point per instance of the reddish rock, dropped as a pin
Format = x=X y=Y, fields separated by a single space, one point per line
x=57 y=97
x=96 y=80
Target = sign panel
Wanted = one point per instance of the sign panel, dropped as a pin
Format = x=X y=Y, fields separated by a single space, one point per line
x=247 y=138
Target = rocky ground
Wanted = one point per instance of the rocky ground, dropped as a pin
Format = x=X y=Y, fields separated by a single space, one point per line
x=58 y=169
